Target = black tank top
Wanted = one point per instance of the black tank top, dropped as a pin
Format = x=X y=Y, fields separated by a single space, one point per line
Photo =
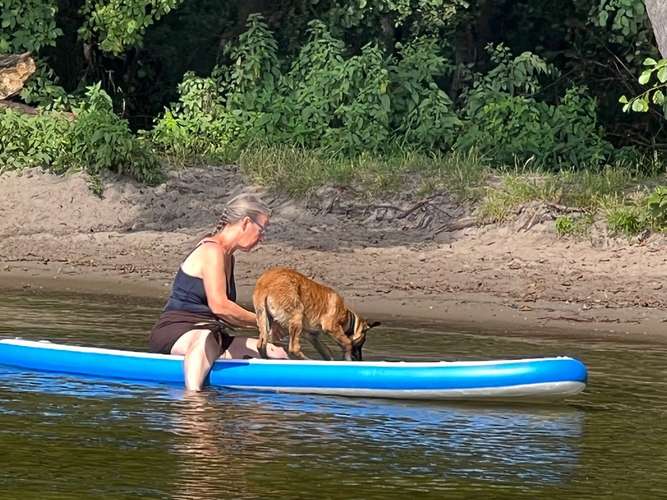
x=188 y=293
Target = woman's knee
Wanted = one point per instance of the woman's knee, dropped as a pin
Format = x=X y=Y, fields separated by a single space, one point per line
x=202 y=340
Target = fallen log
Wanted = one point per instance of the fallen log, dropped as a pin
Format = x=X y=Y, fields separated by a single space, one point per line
x=15 y=69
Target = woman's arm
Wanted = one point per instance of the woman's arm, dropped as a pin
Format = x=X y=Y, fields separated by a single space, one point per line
x=214 y=275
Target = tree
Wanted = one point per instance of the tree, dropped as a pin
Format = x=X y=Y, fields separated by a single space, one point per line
x=657 y=13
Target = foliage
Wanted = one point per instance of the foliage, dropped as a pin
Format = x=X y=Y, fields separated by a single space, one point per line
x=625 y=220
x=326 y=99
x=573 y=226
x=100 y=141
x=655 y=94
x=95 y=141
x=656 y=206
x=27 y=25
x=422 y=113
x=507 y=123
x=564 y=225
x=358 y=83
x=417 y=15
x=511 y=76
x=624 y=18
x=216 y=113
x=313 y=85
x=363 y=114
x=192 y=127
x=32 y=141
x=117 y=25
x=333 y=101
x=42 y=89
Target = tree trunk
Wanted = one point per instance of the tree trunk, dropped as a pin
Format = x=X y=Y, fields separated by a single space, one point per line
x=14 y=71
x=657 y=13
x=388 y=32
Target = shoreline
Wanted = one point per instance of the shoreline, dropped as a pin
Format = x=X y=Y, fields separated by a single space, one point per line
x=478 y=313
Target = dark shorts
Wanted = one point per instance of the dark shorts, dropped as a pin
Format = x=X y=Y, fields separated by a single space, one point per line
x=172 y=325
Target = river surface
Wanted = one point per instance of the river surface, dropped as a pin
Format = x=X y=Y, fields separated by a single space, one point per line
x=68 y=437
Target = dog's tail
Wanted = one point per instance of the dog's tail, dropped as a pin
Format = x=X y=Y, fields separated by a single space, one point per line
x=264 y=327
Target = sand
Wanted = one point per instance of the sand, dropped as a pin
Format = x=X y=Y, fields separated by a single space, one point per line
x=401 y=257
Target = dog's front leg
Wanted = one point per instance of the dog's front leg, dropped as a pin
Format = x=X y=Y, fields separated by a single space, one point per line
x=343 y=341
x=295 y=330
x=321 y=347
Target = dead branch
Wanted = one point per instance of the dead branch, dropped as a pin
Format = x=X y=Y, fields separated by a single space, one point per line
x=457 y=225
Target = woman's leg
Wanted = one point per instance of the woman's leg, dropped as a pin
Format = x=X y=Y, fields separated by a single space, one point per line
x=200 y=350
x=244 y=347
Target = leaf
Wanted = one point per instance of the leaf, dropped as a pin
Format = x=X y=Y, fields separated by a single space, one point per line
x=658 y=97
x=623 y=99
x=638 y=105
x=649 y=61
x=645 y=77
x=662 y=74
x=603 y=16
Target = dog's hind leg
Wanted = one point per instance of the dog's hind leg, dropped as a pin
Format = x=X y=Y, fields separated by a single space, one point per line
x=321 y=347
x=264 y=327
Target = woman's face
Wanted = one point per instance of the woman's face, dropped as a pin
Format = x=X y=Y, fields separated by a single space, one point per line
x=252 y=231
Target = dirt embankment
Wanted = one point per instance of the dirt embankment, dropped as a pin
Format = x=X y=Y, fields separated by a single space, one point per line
x=399 y=256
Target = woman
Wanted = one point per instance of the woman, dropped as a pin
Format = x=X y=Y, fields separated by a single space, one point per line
x=202 y=304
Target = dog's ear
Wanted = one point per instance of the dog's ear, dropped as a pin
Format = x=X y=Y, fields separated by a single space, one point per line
x=373 y=324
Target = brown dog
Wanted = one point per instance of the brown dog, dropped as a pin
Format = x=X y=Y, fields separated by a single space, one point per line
x=288 y=301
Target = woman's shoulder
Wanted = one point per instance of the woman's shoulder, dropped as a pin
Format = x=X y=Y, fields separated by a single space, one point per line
x=209 y=249
x=204 y=253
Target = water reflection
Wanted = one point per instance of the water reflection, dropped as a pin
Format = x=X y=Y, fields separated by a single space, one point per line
x=61 y=432
x=213 y=429
x=492 y=443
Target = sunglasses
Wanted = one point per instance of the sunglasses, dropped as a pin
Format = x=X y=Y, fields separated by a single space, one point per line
x=262 y=229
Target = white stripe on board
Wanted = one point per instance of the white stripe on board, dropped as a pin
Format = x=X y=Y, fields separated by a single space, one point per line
x=540 y=390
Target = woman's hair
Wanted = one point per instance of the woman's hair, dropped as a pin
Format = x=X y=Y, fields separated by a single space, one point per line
x=240 y=206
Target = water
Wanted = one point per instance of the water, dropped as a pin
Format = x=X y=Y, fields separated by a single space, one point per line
x=68 y=437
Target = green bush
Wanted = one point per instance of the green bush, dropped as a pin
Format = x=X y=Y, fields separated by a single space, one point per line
x=423 y=115
x=564 y=225
x=327 y=99
x=508 y=124
x=656 y=206
x=96 y=140
x=625 y=220
x=571 y=226
x=116 y=25
x=197 y=125
x=27 y=25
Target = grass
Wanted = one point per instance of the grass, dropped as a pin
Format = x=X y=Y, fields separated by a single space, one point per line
x=617 y=193
x=580 y=226
x=299 y=171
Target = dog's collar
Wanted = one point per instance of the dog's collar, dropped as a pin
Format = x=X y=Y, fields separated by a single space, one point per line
x=350 y=323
